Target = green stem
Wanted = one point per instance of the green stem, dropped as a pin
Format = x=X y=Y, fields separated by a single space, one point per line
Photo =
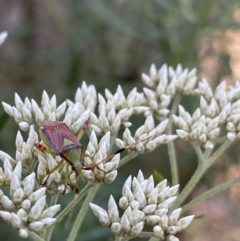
x=35 y=237
x=81 y=214
x=189 y=187
x=218 y=152
x=171 y=145
x=127 y=158
x=69 y=207
x=210 y=193
x=201 y=169
x=48 y=234
x=198 y=152
x=153 y=239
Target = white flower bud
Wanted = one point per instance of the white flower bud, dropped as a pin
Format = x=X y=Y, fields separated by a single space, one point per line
x=152 y=219
x=136 y=229
x=146 y=79
x=173 y=190
x=140 y=197
x=35 y=211
x=18 y=102
x=16 y=221
x=164 y=222
x=7 y=203
x=29 y=183
x=19 y=141
x=158 y=232
x=231 y=136
x=18 y=170
x=116 y=228
x=26 y=204
x=60 y=110
x=125 y=223
x=134 y=204
x=23 y=232
x=48 y=221
x=113 y=210
x=37 y=194
x=51 y=211
x=149 y=209
x=17 y=115
x=123 y=203
x=36 y=226
x=208 y=145
x=26 y=114
x=171 y=238
x=22 y=215
x=214 y=133
x=173 y=217
x=8 y=108
x=110 y=177
x=167 y=203
x=184 y=222
x=18 y=196
x=5 y=215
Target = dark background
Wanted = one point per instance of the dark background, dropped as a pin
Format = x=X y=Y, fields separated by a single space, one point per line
x=55 y=45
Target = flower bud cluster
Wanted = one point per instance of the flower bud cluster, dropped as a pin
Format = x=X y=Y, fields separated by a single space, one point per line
x=144 y=205
x=62 y=180
x=25 y=151
x=23 y=111
x=78 y=112
x=163 y=85
x=222 y=105
x=98 y=165
x=197 y=128
x=24 y=208
x=232 y=112
x=116 y=109
x=147 y=137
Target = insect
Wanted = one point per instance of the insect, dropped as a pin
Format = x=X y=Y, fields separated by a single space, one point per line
x=59 y=140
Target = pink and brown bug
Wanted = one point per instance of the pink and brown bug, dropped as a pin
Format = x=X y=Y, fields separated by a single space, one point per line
x=59 y=140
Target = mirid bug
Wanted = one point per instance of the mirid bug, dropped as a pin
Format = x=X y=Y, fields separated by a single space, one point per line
x=59 y=140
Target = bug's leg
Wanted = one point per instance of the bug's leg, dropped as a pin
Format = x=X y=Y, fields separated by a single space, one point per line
x=83 y=130
x=44 y=149
x=76 y=176
x=51 y=171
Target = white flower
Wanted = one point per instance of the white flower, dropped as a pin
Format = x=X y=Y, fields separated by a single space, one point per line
x=3 y=36
x=143 y=204
x=24 y=207
x=147 y=137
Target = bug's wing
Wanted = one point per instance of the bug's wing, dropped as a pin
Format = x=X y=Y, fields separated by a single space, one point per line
x=54 y=136
x=67 y=134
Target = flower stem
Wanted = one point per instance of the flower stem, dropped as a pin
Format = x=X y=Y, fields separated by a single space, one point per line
x=171 y=145
x=35 y=237
x=201 y=169
x=66 y=210
x=210 y=193
x=81 y=214
x=127 y=158
x=48 y=234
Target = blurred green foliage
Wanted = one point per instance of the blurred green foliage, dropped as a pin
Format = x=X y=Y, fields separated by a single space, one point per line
x=54 y=45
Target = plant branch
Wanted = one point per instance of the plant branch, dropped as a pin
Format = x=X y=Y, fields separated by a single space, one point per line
x=81 y=214
x=201 y=169
x=35 y=237
x=210 y=193
x=67 y=209
x=171 y=145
